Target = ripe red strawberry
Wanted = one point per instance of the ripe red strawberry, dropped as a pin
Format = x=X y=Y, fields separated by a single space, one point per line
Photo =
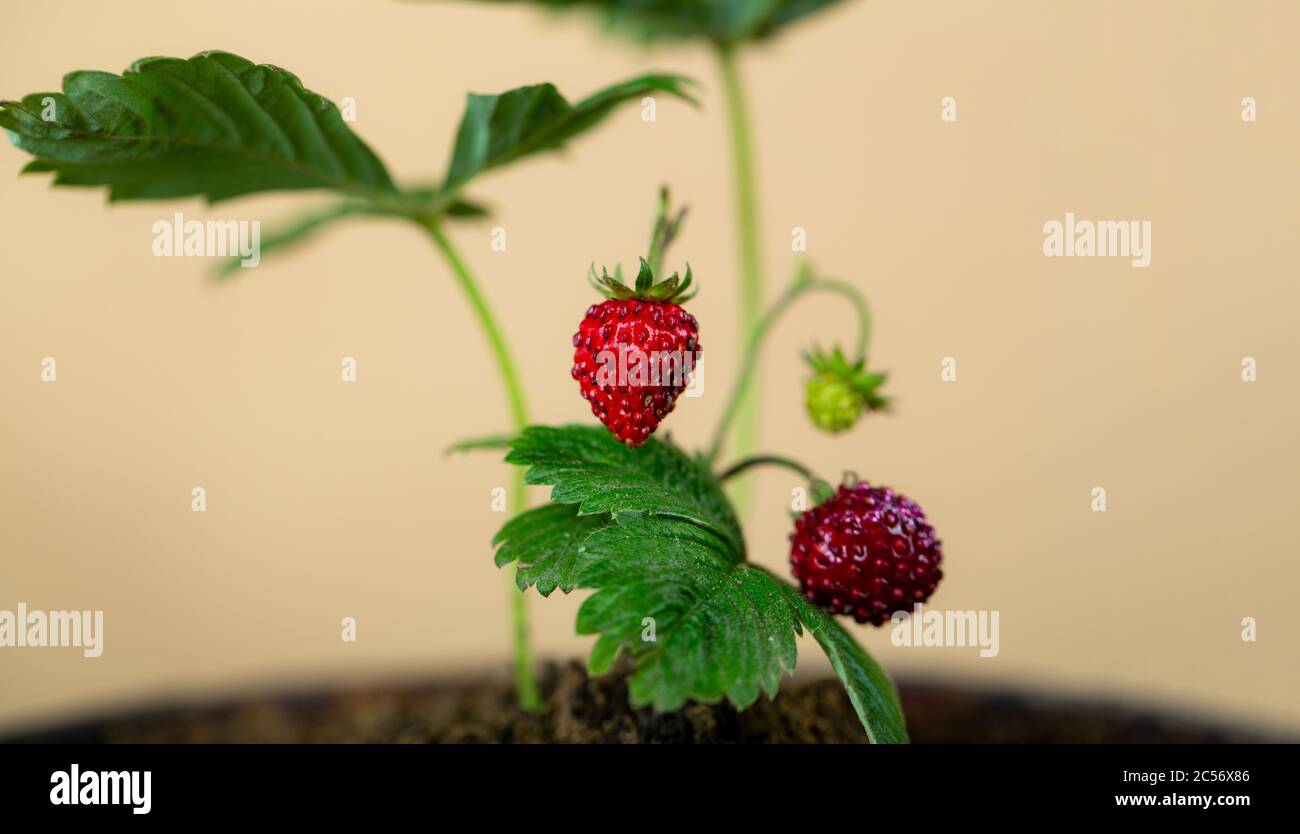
x=634 y=353
x=866 y=551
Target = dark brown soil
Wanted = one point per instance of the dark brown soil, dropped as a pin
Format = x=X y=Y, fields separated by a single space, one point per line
x=583 y=710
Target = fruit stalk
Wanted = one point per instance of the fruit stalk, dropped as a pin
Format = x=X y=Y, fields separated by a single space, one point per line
x=770 y=460
x=663 y=231
x=751 y=269
x=804 y=283
x=525 y=676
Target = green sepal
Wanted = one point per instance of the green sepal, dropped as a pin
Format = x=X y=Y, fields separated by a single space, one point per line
x=673 y=288
x=820 y=491
x=644 y=278
x=865 y=384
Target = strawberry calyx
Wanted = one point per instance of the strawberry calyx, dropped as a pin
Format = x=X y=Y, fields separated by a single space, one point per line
x=672 y=289
x=853 y=374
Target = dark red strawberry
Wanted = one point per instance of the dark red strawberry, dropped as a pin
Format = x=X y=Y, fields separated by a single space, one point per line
x=867 y=551
x=634 y=353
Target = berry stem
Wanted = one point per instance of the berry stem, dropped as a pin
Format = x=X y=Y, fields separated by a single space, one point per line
x=525 y=676
x=804 y=283
x=774 y=460
x=751 y=267
x=665 y=229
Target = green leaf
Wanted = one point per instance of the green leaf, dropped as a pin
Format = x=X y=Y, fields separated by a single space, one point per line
x=214 y=125
x=497 y=129
x=586 y=466
x=721 y=627
x=872 y=692
x=547 y=543
x=720 y=21
x=651 y=533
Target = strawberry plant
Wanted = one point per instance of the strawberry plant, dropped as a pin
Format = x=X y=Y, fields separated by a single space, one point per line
x=648 y=528
x=219 y=126
x=643 y=524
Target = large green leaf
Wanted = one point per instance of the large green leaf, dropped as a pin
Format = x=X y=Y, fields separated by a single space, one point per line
x=720 y=21
x=497 y=129
x=586 y=466
x=650 y=533
x=214 y=125
x=719 y=628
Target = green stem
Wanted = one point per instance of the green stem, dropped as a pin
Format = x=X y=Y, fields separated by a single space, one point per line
x=802 y=285
x=774 y=460
x=751 y=269
x=662 y=233
x=525 y=677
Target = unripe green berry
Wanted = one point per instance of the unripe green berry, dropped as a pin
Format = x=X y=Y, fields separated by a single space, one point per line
x=833 y=404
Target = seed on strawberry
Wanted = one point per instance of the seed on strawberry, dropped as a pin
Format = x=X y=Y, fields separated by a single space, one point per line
x=634 y=352
x=867 y=551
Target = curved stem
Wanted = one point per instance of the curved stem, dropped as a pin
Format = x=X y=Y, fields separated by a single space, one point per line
x=799 y=287
x=860 y=307
x=751 y=269
x=774 y=460
x=525 y=678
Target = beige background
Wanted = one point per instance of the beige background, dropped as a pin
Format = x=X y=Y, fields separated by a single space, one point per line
x=329 y=500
